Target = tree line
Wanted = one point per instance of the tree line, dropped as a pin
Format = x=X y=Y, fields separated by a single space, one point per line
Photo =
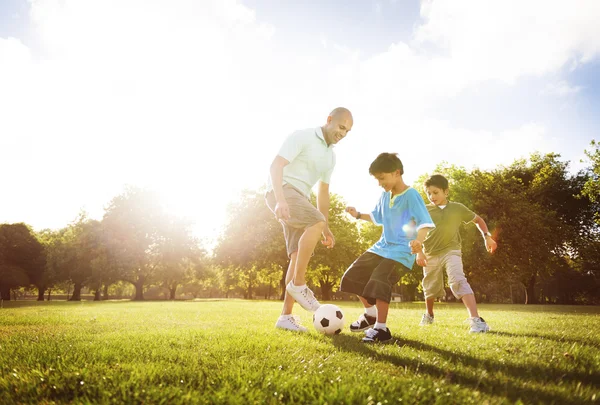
x=546 y=221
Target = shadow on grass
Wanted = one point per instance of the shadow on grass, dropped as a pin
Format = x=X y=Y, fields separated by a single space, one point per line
x=509 y=387
x=559 y=339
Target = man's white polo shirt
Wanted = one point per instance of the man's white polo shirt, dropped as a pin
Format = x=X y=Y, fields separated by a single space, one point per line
x=310 y=160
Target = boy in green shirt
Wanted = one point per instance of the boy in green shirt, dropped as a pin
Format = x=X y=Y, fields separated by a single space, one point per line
x=442 y=251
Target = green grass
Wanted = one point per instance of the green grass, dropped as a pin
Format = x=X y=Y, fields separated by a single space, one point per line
x=228 y=352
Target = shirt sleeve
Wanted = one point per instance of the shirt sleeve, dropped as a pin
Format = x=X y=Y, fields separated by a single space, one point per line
x=466 y=215
x=292 y=146
x=419 y=211
x=377 y=213
x=326 y=177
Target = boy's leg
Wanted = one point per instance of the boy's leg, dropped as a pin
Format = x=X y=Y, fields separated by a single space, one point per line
x=462 y=289
x=471 y=304
x=353 y=281
x=384 y=277
x=433 y=286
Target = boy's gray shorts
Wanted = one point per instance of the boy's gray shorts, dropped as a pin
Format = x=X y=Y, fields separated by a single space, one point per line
x=372 y=277
x=302 y=215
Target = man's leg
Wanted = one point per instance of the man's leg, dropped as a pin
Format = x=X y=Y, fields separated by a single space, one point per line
x=288 y=301
x=297 y=288
x=287 y=320
x=306 y=247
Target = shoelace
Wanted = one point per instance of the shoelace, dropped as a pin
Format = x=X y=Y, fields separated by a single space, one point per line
x=359 y=321
x=295 y=320
x=307 y=294
x=371 y=333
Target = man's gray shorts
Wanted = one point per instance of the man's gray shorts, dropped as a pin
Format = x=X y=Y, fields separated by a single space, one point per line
x=302 y=215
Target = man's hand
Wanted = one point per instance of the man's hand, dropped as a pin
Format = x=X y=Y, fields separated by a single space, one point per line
x=416 y=246
x=490 y=244
x=421 y=260
x=282 y=210
x=328 y=239
x=352 y=211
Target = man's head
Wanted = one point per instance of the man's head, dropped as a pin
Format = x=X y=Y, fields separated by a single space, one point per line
x=437 y=189
x=387 y=168
x=339 y=123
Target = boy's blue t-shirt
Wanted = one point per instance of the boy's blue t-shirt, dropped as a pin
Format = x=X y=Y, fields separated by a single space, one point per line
x=401 y=218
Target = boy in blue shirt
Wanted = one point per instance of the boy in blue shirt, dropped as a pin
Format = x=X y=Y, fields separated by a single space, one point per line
x=406 y=222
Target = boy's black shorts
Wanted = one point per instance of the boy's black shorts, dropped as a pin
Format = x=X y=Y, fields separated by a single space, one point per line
x=372 y=277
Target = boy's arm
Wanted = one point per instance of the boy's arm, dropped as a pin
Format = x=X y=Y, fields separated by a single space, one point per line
x=323 y=206
x=357 y=215
x=490 y=244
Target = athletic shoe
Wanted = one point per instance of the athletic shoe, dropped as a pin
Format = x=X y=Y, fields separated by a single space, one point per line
x=377 y=336
x=305 y=297
x=478 y=325
x=363 y=322
x=426 y=320
x=290 y=322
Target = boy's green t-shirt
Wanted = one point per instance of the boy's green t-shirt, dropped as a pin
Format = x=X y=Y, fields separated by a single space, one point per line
x=445 y=236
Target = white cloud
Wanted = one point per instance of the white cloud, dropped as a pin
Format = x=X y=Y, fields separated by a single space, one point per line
x=505 y=40
x=561 y=88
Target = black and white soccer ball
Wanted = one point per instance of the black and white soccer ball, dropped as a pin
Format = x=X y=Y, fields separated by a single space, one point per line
x=328 y=319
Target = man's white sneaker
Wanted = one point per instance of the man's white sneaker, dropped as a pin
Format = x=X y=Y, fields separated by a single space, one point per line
x=290 y=322
x=426 y=320
x=304 y=297
x=478 y=325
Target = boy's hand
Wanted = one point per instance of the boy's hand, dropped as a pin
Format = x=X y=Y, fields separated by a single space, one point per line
x=352 y=211
x=282 y=210
x=328 y=239
x=416 y=246
x=421 y=260
x=490 y=244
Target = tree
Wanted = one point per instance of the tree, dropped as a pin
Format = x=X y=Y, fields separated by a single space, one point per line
x=22 y=258
x=328 y=265
x=134 y=224
x=251 y=242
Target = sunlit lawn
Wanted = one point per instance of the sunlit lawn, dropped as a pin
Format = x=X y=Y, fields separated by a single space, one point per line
x=228 y=352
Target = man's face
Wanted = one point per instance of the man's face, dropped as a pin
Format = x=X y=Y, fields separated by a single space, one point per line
x=437 y=195
x=387 y=180
x=338 y=127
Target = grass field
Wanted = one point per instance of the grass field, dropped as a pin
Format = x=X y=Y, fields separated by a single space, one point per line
x=228 y=352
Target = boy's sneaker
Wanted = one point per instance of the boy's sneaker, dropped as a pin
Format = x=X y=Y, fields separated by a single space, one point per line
x=426 y=320
x=478 y=325
x=290 y=322
x=377 y=336
x=363 y=322
x=305 y=297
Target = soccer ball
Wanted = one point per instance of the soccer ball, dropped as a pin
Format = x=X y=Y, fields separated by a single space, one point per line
x=328 y=319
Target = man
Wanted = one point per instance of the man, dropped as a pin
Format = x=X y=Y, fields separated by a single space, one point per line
x=305 y=158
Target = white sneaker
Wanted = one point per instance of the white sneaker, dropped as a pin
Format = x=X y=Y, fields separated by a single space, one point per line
x=305 y=297
x=478 y=325
x=290 y=322
x=426 y=320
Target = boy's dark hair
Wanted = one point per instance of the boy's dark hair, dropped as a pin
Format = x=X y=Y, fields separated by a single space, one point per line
x=437 y=180
x=386 y=163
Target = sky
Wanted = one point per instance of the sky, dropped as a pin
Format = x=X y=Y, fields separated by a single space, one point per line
x=193 y=98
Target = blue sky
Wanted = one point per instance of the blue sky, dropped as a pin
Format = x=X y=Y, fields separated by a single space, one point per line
x=193 y=98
